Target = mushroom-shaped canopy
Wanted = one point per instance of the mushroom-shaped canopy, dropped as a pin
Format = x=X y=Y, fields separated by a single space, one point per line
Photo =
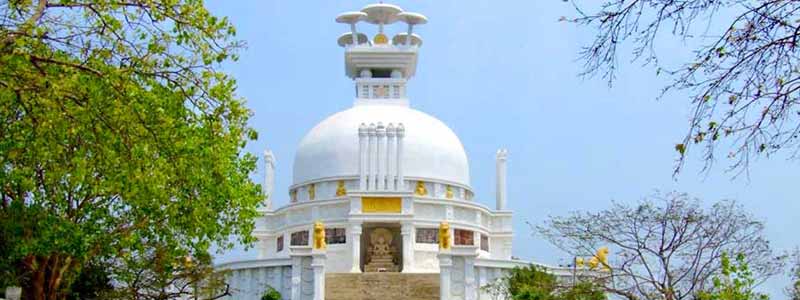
x=400 y=39
x=412 y=18
x=351 y=17
x=347 y=39
x=382 y=13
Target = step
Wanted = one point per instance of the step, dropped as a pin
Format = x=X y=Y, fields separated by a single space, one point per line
x=381 y=286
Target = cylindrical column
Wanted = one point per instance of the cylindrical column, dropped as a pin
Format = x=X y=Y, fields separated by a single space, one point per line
x=391 y=157
x=401 y=132
x=380 y=132
x=355 y=250
x=502 y=157
x=362 y=157
x=408 y=37
x=355 y=34
x=371 y=157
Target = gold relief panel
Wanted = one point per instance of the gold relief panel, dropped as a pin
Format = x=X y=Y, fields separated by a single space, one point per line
x=381 y=205
x=420 y=190
x=340 y=189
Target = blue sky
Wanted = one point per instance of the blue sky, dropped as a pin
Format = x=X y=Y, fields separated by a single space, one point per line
x=502 y=75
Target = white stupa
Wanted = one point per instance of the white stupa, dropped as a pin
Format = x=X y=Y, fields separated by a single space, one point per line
x=389 y=184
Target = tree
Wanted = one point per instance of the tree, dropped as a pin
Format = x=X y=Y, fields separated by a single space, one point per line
x=536 y=283
x=735 y=282
x=118 y=132
x=794 y=273
x=155 y=274
x=665 y=246
x=93 y=282
x=742 y=80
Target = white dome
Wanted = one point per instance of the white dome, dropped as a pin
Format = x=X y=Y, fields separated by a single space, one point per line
x=431 y=150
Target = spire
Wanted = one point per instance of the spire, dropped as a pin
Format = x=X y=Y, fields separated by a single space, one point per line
x=381 y=67
x=269 y=178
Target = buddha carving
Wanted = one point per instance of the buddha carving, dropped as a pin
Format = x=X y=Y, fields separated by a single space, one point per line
x=381 y=252
x=421 y=190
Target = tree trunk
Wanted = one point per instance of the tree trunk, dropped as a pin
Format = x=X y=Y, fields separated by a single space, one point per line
x=45 y=276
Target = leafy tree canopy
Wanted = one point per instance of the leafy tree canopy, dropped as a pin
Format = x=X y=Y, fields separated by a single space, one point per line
x=117 y=132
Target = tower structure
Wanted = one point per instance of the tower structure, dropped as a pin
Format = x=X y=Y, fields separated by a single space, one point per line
x=388 y=184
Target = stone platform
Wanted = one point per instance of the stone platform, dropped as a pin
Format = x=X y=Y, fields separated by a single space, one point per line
x=381 y=286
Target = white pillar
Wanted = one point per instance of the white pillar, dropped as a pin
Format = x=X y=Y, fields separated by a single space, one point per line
x=482 y=295
x=408 y=35
x=269 y=178
x=407 y=231
x=391 y=157
x=318 y=265
x=470 y=290
x=354 y=33
x=445 y=264
x=380 y=131
x=362 y=157
x=502 y=157
x=297 y=269
x=355 y=248
x=371 y=157
x=401 y=132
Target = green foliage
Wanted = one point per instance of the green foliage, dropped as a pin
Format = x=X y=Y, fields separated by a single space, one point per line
x=118 y=134
x=271 y=294
x=735 y=282
x=793 y=290
x=535 y=283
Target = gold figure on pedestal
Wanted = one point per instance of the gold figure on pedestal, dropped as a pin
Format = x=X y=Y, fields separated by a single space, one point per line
x=420 y=190
x=312 y=191
x=340 y=189
x=449 y=192
x=444 y=236
x=319 y=236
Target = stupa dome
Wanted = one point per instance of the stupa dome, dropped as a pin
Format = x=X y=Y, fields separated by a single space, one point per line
x=431 y=150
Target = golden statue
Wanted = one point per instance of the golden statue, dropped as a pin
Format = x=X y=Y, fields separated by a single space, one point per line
x=579 y=263
x=449 y=192
x=421 y=190
x=319 y=236
x=444 y=236
x=312 y=191
x=293 y=195
x=380 y=252
x=340 y=189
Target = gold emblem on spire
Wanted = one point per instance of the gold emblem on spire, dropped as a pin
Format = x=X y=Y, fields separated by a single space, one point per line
x=380 y=39
x=420 y=190
x=340 y=189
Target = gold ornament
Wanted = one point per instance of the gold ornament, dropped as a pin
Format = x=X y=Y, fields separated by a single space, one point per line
x=444 y=236
x=381 y=205
x=421 y=190
x=380 y=39
x=319 y=236
x=340 y=189
x=312 y=191
x=449 y=193
x=579 y=263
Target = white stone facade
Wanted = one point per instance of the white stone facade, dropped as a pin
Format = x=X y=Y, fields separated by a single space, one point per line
x=379 y=164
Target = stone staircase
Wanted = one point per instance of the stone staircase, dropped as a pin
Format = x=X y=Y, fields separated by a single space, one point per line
x=381 y=286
